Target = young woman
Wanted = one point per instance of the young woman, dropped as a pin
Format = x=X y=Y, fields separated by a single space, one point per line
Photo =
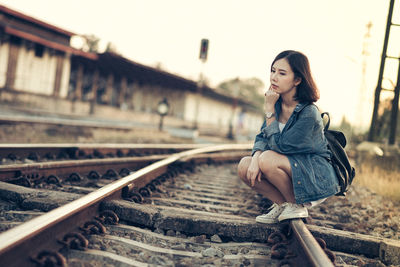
x=290 y=159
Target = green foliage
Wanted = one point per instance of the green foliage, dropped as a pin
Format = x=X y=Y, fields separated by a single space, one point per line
x=91 y=43
x=111 y=48
x=345 y=125
x=250 y=89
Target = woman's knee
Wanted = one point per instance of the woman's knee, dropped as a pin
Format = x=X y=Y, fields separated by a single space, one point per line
x=243 y=166
x=266 y=161
x=269 y=161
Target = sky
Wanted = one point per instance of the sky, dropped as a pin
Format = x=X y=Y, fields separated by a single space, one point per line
x=244 y=37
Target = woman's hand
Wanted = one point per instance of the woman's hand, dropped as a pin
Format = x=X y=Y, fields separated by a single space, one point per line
x=253 y=172
x=270 y=99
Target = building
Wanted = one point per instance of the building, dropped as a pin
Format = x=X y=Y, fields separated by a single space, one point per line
x=40 y=70
x=35 y=56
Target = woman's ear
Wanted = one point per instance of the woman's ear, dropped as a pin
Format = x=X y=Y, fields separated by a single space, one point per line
x=297 y=81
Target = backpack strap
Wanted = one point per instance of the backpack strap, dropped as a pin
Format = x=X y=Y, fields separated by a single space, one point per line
x=329 y=120
x=339 y=136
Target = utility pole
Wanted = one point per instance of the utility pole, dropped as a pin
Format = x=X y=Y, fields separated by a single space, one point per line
x=236 y=89
x=395 y=102
x=395 y=110
x=360 y=113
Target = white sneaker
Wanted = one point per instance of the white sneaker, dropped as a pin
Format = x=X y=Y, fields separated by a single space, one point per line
x=272 y=216
x=293 y=211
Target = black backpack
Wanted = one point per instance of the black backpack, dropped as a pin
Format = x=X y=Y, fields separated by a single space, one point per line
x=340 y=162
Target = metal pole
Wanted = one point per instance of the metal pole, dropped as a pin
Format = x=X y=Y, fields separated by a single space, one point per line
x=395 y=111
x=160 y=125
x=371 y=134
x=199 y=87
x=236 y=89
x=200 y=83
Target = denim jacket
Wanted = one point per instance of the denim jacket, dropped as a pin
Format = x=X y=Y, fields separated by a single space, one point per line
x=302 y=140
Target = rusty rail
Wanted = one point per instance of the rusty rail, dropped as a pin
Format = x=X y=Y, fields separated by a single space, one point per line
x=8 y=172
x=17 y=243
x=310 y=247
x=24 y=150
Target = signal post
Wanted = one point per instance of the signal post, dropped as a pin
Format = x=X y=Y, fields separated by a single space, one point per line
x=200 y=83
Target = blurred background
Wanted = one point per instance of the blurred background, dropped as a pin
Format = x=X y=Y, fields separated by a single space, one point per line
x=343 y=40
x=195 y=71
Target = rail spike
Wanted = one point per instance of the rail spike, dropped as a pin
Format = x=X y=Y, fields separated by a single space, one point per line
x=50 y=258
x=279 y=251
x=111 y=174
x=128 y=193
x=144 y=192
x=93 y=175
x=53 y=179
x=75 y=241
x=108 y=217
x=276 y=237
x=124 y=172
x=12 y=157
x=151 y=187
x=93 y=227
x=330 y=255
x=135 y=197
x=74 y=177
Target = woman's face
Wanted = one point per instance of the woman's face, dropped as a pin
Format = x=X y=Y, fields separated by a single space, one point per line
x=282 y=77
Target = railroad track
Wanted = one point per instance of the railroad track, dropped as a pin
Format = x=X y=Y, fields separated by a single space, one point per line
x=25 y=153
x=181 y=209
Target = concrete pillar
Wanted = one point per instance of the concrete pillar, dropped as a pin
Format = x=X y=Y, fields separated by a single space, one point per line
x=79 y=82
x=109 y=88
x=122 y=93
x=95 y=86
x=12 y=65
x=59 y=73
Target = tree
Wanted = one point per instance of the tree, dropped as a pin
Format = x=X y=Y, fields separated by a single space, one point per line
x=111 y=48
x=91 y=43
x=250 y=89
x=345 y=127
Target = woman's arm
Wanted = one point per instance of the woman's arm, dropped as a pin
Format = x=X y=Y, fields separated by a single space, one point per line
x=259 y=142
x=299 y=138
x=269 y=106
x=302 y=135
x=253 y=172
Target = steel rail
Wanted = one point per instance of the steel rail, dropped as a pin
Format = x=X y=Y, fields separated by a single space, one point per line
x=313 y=251
x=98 y=145
x=23 y=150
x=23 y=236
x=9 y=172
x=66 y=167
x=17 y=242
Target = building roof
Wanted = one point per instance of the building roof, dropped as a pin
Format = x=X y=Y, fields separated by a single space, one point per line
x=136 y=72
x=142 y=73
x=48 y=43
x=35 y=21
x=28 y=28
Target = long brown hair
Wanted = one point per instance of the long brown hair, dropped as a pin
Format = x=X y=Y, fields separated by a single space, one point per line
x=307 y=90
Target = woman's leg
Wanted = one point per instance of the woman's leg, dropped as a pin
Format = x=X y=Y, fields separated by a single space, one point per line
x=264 y=187
x=277 y=171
